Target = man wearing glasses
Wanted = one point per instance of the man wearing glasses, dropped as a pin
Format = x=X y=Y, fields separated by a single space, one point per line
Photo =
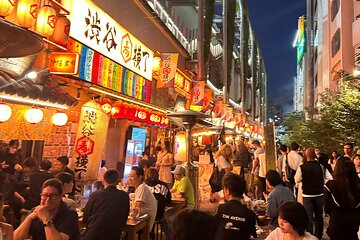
x=52 y=219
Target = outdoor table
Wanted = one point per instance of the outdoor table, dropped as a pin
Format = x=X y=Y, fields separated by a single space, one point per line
x=135 y=225
x=177 y=203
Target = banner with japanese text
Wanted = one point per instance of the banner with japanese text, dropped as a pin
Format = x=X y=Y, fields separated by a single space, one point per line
x=207 y=99
x=90 y=141
x=197 y=96
x=94 y=28
x=167 y=70
x=101 y=70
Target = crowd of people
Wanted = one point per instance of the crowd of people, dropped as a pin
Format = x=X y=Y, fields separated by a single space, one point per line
x=305 y=186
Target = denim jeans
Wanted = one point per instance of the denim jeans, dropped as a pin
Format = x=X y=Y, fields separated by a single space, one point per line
x=314 y=208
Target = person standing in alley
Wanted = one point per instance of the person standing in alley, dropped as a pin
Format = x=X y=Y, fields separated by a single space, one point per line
x=293 y=159
x=311 y=175
x=106 y=212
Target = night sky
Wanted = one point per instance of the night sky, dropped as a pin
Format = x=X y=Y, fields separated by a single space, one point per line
x=275 y=25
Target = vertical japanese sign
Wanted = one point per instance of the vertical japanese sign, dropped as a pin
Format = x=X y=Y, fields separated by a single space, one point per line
x=93 y=27
x=167 y=70
x=207 y=99
x=90 y=141
x=300 y=39
x=197 y=96
x=270 y=147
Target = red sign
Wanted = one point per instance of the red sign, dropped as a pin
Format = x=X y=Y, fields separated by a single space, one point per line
x=84 y=146
x=63 y=63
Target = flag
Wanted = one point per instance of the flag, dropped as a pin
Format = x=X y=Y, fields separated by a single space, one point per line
x=167 y=70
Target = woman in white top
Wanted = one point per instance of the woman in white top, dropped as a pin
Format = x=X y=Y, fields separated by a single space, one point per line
x=223 y=158
x=165 y=160
x=292 y=223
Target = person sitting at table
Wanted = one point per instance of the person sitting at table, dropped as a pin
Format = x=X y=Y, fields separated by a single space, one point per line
x=277 y=196
x=68 y=183
x=52 y=219
x=236 y=220
x=292 y=221
x=107 y=210
x=162 y=195
x=144 y=199
x=183 y=186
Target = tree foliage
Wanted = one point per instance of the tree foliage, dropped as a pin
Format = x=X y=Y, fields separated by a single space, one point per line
x=335 y=123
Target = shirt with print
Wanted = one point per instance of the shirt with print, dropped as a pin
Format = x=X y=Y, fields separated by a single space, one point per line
x=237 y=222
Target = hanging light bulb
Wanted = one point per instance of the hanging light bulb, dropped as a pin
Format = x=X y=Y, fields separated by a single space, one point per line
x=59 y=119
x=5 y=112
x=34 y=115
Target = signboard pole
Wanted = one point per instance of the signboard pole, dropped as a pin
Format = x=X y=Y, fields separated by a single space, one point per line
x=270 y=147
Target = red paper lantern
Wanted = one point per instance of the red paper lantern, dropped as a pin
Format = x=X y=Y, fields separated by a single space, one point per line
x=45 y=22
x=27 y=11
x=6 y=7
x=62 y=30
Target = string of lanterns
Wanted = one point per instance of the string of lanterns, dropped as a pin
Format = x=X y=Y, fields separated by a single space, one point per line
x=33 y=115
x=43 y=21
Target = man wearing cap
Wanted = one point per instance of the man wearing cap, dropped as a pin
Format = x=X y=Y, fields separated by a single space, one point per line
x=183 y=186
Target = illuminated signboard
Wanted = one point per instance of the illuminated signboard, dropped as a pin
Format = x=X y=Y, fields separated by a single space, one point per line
x=100 y=70
x=301 y=39
x=94 y=28
x=182 y=83
x=63 y=63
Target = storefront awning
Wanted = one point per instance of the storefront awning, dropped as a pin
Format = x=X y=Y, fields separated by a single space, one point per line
x=46 y=89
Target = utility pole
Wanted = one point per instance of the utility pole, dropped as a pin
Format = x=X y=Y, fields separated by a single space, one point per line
x=200 y=42
x=225 y=50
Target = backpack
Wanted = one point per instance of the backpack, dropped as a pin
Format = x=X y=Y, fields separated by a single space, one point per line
x=290 y=173
x=215 y=180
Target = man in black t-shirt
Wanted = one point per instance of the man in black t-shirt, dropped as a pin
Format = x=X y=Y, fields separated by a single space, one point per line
x=237 y=222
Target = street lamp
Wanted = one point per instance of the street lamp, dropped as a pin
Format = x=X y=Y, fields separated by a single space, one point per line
x=187 y=119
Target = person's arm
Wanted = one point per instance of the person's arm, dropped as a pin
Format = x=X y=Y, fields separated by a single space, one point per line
x=50 y=230
x=7 y=230
x=271 y=207
x=23 y=230
x=298 y=175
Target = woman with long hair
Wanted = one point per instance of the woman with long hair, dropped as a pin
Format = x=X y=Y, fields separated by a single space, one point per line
x=333 y=158
x=342 y=201
x=165 y=160
x=223 y=158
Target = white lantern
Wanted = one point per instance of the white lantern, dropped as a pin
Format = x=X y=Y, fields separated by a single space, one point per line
x=5 y=112
x=45 y=22
x=34 y=115
x=26 y=12
x=6 y=7
x=59 y=119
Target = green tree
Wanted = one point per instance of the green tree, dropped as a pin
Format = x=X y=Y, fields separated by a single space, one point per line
x=335 y=123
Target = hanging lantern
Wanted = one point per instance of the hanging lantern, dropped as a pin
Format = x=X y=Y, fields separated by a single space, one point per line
x=59 y=119
x=106 y=106
x=34 y=115
x=5 y=112
x=62 y=29
x=45 y=22
x=6 y=7
x=27 y=12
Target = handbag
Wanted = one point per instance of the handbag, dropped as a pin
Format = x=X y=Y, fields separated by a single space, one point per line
x=215 y=180
x=290 y=173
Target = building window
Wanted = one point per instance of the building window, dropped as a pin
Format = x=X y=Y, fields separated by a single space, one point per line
x=335 y=5
x=335 y=43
